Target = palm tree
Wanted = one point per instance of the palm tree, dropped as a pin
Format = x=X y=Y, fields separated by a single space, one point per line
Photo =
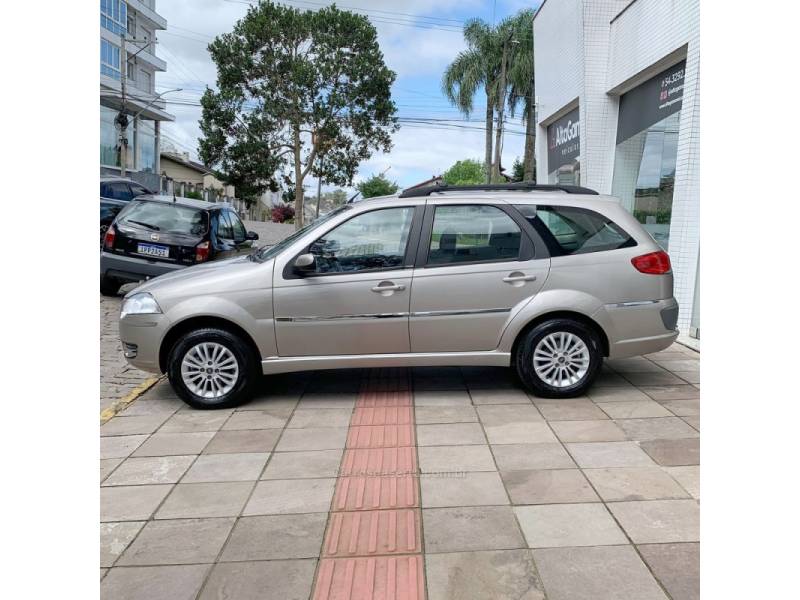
x=478 y=66
x=520 y=78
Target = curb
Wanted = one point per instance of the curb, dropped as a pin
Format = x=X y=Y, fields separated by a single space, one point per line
x=112 y=410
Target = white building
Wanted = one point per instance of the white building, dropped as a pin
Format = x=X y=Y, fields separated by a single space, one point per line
x=137 y=22
x=618 y=105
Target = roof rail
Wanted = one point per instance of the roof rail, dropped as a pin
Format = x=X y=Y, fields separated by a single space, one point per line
x=495 y=187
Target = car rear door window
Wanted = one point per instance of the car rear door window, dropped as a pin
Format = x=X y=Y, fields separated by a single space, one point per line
x=225 y=229
x=573 y=230
x=473 y=233
x=118 y=191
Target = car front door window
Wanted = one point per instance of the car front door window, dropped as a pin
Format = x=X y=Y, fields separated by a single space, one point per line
x=375 y=240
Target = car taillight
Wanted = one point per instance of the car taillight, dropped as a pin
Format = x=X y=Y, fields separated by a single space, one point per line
x=655 y=263
x=108 y=241
x=201 y=251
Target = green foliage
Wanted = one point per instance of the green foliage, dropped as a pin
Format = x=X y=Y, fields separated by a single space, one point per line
x=194 y=195
x=465 y=172
x=377 y=185
x=293 y=84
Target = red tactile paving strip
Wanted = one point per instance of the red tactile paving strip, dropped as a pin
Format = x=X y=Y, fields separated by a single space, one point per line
x=372 y=546
x=379 y=578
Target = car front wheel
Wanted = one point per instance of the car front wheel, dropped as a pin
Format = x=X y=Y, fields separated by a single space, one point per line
x=559 y=358
x=212 y=368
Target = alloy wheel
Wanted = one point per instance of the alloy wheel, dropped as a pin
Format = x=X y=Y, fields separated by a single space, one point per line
x=561 y=359
x=209 y=370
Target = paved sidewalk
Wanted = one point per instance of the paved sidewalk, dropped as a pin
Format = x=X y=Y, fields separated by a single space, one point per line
x=438 y=483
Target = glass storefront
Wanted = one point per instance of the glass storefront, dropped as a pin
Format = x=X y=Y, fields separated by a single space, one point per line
x=564 y=149
x=109 y=153
x=647 y=148
x=146 y=137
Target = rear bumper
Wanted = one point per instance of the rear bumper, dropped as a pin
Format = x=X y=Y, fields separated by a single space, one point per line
x=641 y=327
x=131 y=268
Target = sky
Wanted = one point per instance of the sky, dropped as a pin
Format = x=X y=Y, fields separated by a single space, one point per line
x=418 y=38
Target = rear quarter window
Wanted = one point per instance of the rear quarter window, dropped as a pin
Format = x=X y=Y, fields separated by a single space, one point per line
x=573 y=230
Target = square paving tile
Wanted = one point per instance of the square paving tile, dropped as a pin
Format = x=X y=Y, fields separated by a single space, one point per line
x=471 y=528
x=174 y=444
x=677 y=365
x=498 y=396
x=689 y=376
x=114 y=538
x=236 y=442
x=507 y=574
x=469 y=489
x=688 y=477
x=151 y=469
x=520 y=433
x=425 y=415
x=610 y=379
x=674 y=453
x=285 y=496
x=634 y=483
x=321 y=400
x=664 y=428
x=176 y=582
x=588 y=431
x=256 y=419
x=120 y=446
x=131 y=503
x=441 y=398
x=551 y=486
x=265 y=580
x=278 y=404
x=693 y=421
x=317 y=417
x=601 y=573
x=677 y=567
x=435 y=384
x=441 y=459
x=178 y=542
x=570 y=410
x=141 y=408
x=636 y=364
x=503 y=414
x=450 y=434
x=639 y=409
x=226 y=467
x=513 y=457
x=672 y=392
x=189 y=420
x=649 y=379
x=312 y=438
x=133 y=425
x=616 y=394
x=683 y=408
x=659 y=521
x=107 y=465
x=558 y=525
x=200 y=500
x=593 y=455
x=276 y=536
x=301 y=465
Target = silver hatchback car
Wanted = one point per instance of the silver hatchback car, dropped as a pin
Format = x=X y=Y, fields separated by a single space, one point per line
x=547 y=280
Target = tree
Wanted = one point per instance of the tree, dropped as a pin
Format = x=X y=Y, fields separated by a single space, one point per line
x=464 y=172
x=478 y=66
x=293 y=84
x=521 y=80
x=377 y=185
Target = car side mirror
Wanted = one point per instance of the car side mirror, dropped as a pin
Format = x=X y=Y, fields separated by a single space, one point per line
x=252 y=235
x=305 y=263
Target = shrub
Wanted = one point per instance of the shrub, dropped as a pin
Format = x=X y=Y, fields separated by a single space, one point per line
x=282 y=213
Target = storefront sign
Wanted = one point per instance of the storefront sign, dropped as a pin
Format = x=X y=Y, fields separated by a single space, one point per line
x=651 y=102
x=563 y=141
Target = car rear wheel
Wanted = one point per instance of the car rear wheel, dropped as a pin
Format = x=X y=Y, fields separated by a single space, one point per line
x=212 y=368
x=109 y=286
x=559 y=358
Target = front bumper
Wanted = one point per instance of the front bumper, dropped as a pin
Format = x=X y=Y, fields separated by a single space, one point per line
x=639 y=328
x=141 y=337
x=132 y=268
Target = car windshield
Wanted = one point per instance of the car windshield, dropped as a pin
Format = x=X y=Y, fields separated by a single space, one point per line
x=267 y=252
x=165 y=217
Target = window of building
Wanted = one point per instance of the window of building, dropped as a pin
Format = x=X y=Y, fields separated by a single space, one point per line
x=114 y=16
x=146 y=81
x=473 y=233
x=147 y=145
x=130 y=70
x=108 y=137
x=369 y=241
x=573 y=230
x=647 y=149
x=564 y=149
x=109 y=59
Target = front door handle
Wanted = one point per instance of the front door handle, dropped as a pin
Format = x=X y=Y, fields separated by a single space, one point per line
x=517 y=277
x=386 y=288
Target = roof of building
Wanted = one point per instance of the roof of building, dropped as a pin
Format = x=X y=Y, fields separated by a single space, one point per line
x=432 y=181
x=187 y=162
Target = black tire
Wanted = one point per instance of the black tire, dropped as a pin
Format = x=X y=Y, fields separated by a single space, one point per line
x=247 y=362
x=524 y=358
x=109 y=286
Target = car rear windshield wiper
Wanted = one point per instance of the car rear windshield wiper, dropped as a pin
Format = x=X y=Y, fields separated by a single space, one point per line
x=148 y=225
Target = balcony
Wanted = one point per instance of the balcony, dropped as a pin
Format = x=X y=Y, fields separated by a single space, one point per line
x=148 y=13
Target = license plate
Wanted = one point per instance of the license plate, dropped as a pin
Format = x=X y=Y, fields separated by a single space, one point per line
x=153 y=250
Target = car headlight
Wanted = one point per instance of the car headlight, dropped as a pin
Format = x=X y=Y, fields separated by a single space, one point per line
x=139 y=304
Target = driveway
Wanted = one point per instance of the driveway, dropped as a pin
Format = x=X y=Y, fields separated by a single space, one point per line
x=439 y=483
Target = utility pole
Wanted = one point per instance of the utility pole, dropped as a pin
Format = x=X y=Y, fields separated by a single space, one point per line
x=122 y=118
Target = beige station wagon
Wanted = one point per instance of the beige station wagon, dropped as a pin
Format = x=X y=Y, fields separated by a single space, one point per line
x=546 y=280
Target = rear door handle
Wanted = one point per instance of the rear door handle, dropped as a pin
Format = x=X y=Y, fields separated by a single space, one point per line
x=388 y=286
x=514 y=278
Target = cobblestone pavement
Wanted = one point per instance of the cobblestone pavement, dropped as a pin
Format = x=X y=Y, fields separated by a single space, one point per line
x=438 y=483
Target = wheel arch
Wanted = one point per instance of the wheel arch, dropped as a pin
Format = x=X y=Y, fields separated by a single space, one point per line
x=561 y=314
